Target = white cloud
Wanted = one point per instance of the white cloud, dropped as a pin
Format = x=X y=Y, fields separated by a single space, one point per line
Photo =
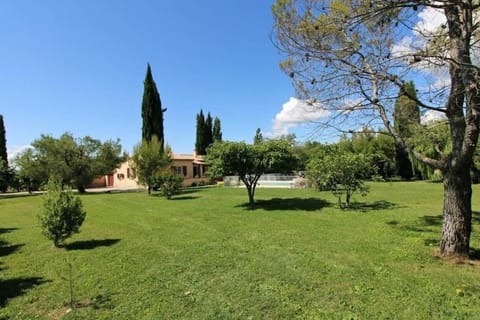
x=296 y=112
x=430 y=20
x=432 y=116
x=403 y=48
x=16 y=150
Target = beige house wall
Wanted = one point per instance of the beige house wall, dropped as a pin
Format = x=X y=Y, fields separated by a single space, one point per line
x=124 y=177
x=192 y=168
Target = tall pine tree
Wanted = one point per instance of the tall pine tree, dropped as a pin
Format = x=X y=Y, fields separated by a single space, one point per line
x=258 y=137
x=200 y=141
x=406 y=117
x=3 y=143
x=152 y=112
x=208 y=131
x=217 y=130
x=5 y=173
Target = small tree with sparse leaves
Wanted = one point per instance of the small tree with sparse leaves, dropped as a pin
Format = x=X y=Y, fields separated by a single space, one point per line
x=62 y=213
x=169 y=184
x=341 y=174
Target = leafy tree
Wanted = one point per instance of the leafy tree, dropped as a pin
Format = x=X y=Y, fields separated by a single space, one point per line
x=342 y=174
x=169 y=184
x=31 y=174
x=149 y=160
x=377 y=147
x=152 y=112
x=258 y=137
x=407 y=118
x=62 y=213
x=344 y=56
x=249 y=162
x=72 y=161
x=217 y=130
x=200 y=142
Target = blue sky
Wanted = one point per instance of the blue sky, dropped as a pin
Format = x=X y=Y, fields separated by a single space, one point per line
x=79 y=66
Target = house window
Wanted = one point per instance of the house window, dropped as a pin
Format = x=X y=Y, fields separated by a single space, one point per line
x=120 y=176
x=131 y=173
x=195 y=172
x=180 y=170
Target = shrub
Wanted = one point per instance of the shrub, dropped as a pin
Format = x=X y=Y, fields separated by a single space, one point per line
x=169 y=184
x=62 y=213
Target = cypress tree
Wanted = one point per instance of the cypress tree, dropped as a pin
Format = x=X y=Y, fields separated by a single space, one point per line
x=208 y=131
x=152 y=112
x=3 y=143
x=217 y=130
x=200 y=141
x=406 y=117
x=258 y=137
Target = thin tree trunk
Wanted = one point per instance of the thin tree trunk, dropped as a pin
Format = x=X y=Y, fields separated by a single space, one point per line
x=251 y=195
x=81 y=189
x=457 y=213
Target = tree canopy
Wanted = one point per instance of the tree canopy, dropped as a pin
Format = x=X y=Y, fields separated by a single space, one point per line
x=152 y=112
x=406 y=121
x=72 y=161
x=249 y=162
x=149 y=160
x=350 y=58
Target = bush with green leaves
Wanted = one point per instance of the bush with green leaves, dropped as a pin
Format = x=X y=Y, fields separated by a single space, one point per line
x=342 y=174
x=169 y=184
x=62 y=213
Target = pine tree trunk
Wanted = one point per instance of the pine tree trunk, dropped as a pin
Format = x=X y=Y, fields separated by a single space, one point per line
x=457 y=213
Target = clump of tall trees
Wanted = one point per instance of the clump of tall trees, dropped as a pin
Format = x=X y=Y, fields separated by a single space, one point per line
x=208 y=131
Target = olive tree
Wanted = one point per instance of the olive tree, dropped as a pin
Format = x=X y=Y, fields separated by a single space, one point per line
x=250 y=161
x=351 y=57
x=149 y=159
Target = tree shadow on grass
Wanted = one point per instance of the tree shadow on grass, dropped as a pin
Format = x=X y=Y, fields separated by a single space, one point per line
x=310 y=204
x=7 y=249
x=184 y=198
x=424 y=224
x=12 y=288
x=19 y=195
x=91 y=244
x=7 y=230
x=476 y=216
x=373 y=206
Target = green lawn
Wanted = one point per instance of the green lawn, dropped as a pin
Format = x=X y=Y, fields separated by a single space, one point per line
x=204 y=255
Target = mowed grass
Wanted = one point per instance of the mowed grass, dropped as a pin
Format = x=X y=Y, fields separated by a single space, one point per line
x=205 y=255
